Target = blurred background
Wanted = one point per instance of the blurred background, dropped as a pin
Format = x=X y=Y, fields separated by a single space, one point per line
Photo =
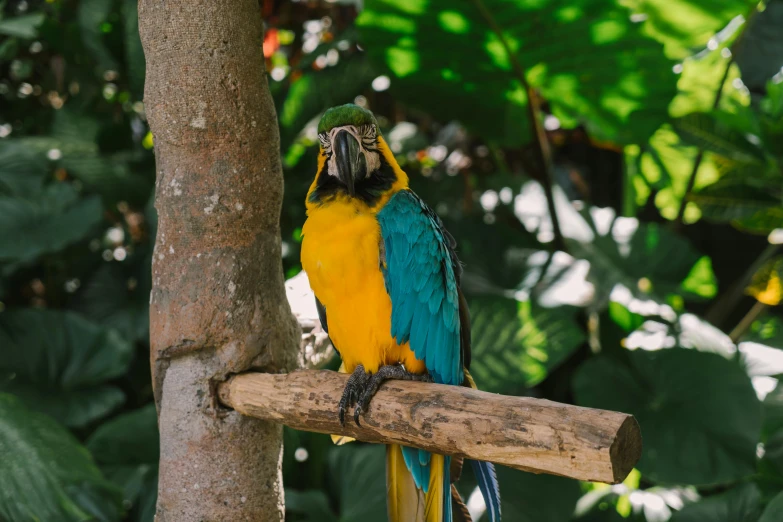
x=657 y=293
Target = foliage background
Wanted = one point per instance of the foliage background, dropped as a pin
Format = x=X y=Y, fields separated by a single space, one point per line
x=657 y=294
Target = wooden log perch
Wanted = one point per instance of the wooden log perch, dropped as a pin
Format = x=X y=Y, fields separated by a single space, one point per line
x=533 y=435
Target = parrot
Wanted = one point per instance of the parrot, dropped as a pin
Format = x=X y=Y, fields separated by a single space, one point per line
x=386 y=280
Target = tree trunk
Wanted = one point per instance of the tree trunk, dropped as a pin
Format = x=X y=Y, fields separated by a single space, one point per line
x=218 y=304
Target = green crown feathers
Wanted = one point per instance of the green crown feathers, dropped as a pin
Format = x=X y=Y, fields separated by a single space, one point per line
x=348 y=114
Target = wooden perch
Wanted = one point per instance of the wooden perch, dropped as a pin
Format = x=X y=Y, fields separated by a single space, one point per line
x=529 y=434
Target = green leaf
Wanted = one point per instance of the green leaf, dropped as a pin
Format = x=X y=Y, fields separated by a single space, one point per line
x=117 y=296
x=688 y=331
x=768 y=329
x=759 y=53
x=741 y=504
x=666 y=165
x=701 y=280
x=92 y=14
x=126 y=448
x=312 y=505
x=130 y=438
x=23 y=172
x=698 y=412
x=590 y=61
x=59 y=363
x=735 y=200
x=526 y=497
x=708 y=132
x=774 y=510
x=45 y=474
x=516 y=344
x=356 y=471
x=24 y=26
x=685 y=25
x=134 y=53
x=56 y=219
x=647 y=258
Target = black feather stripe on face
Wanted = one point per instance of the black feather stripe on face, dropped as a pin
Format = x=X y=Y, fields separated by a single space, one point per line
x=369 y=190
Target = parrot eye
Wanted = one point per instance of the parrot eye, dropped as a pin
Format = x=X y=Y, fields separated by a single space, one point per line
x=326 y=143
x=368 y=134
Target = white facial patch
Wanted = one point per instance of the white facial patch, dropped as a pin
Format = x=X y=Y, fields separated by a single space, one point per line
x=365 y=136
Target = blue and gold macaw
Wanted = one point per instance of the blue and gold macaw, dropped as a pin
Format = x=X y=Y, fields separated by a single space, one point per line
x=387 y=285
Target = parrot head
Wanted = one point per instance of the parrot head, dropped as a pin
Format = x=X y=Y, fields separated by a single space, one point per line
x=354 y=160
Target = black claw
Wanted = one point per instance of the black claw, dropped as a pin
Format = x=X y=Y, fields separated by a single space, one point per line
x=373 y=383
x=354 y=388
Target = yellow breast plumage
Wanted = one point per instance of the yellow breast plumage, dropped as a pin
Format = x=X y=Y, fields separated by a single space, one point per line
x=341 y=255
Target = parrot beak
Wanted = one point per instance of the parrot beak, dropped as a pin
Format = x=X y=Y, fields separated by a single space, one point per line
x=351 y=164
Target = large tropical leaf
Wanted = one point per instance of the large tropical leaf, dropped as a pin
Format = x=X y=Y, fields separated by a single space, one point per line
x=134 y=54
x=59 y=363
x=698 y=412
x=516 y=344
x=590 y=61
x=708 y=132
x=45 y=474
x=526 y=497
x=92 y=15
x=357 y=473
x=646 y=258
x=25 y=26
x=23 y=170
x=126 y=448
x=741 y=504
x=759 y=53
x=737 y=200
x=54 y=220
x=117 y=296
x=774 y=510
x=686 y=25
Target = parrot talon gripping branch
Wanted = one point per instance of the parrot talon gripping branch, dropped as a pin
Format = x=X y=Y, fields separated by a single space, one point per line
x=353 y=389
x=385 y=373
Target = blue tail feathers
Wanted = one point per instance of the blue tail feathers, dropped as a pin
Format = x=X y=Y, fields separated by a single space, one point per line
x=488 y=484
x=418 y=463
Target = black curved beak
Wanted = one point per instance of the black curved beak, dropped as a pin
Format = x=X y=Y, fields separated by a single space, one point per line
x=351 y=164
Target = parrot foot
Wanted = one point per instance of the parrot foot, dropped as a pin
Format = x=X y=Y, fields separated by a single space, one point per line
x=395 y=372
x=353 y=390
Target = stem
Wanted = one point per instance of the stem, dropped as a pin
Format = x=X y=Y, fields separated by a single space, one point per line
x=746 y=321
x=543 y=150
x=697 y=161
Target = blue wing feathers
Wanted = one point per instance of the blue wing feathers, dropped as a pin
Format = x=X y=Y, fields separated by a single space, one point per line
x=422 y=285
x=420 y=278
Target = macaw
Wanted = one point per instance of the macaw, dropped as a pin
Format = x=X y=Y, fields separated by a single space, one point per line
x=386 y=280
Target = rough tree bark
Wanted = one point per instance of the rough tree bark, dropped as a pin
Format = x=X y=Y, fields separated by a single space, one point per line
x=218 y=304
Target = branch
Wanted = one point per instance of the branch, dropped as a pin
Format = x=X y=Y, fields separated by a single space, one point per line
x=542 y=148
x=534 y=435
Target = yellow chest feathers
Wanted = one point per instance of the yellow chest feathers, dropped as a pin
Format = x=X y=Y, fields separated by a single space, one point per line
x=340 y=249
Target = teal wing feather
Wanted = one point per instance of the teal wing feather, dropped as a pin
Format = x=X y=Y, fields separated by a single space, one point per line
x=421 y=274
